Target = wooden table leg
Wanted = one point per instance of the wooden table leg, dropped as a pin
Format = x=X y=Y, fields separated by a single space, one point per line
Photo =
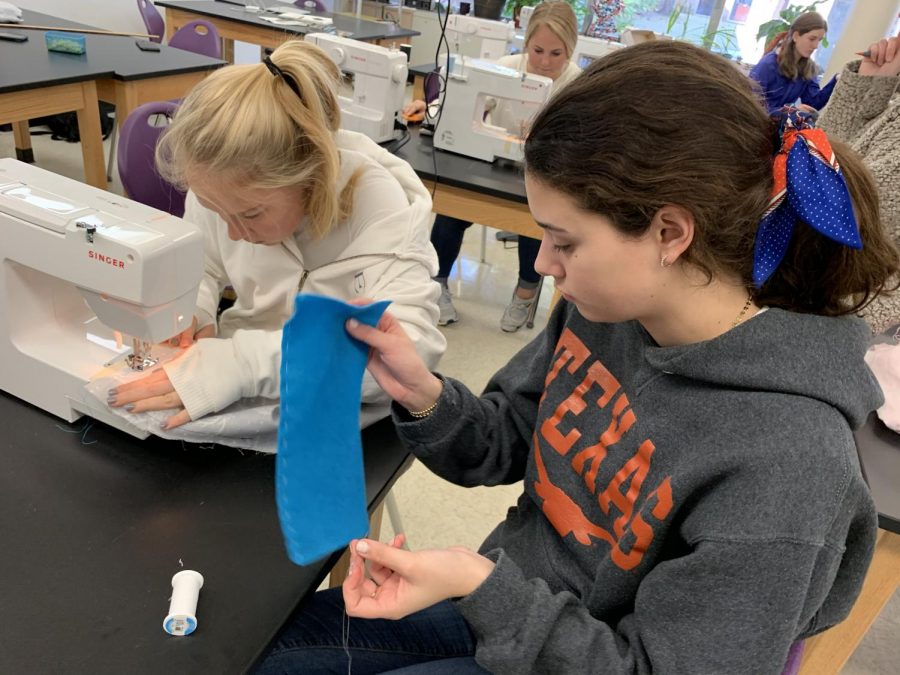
x=91 y=137
x=826 y=654
x=418 y=92
x=228 y=50
x=22 y=138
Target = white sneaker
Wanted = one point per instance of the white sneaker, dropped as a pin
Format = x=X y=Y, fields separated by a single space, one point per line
x=445 y=305
x=516 y=313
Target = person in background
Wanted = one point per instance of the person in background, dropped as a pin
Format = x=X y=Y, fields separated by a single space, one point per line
x=603 y=19
x=692 y=500
x=549 y=45
x=787 y=71
x=287 y=203
x=864 y=111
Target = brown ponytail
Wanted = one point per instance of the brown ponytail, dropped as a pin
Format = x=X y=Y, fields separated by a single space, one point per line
x=668 y=123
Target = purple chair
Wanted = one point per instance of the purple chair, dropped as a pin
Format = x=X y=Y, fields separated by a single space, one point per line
x=153 y=20
x=312 y=5
x=794 y=659
x=200 y=37
x=432 y=85
x=137 y=168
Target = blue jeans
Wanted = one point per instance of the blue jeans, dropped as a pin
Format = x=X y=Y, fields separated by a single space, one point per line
x=435 y=641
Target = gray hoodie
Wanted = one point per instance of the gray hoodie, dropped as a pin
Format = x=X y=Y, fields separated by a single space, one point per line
x=689 y=509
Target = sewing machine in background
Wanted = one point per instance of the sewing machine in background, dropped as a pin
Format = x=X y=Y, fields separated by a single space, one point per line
x=77 y=264
x=479 y=38
x=379 y=84
x=524 y=17
x=474 y=87
x=589 y=49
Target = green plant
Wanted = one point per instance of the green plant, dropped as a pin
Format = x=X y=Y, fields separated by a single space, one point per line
x=786 y=17
x=676 y=13
x=721 y=40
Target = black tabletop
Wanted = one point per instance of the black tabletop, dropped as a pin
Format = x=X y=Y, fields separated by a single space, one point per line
x=347 y=26
x=879 y=455
x=95 y=522
x=498 y=179
x=28 y=65
x=423 y=69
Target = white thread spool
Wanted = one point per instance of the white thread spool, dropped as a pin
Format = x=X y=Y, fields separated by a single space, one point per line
x=182 y=619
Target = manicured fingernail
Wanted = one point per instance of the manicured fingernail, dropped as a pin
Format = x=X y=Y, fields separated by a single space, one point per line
x=362 y=547
x=352 y=323
x=163 y=425
x=111 y=400
x=129 y=407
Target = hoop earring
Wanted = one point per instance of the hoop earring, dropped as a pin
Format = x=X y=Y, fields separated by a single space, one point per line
x=663 y=262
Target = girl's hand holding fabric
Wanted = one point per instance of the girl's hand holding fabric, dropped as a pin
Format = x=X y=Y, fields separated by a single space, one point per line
x=154 y=392
x=416 y=107
x=402 y=582
x=883 y=59
x=395 y=364
x=190 y=335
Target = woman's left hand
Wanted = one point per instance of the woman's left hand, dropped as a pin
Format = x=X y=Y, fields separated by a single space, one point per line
x=153 y=392
x=402 y=582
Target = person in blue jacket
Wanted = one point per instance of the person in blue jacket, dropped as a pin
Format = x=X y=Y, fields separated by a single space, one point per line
x=787 y=72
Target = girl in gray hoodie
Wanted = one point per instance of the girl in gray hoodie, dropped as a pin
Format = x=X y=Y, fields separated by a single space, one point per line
x=692 y=500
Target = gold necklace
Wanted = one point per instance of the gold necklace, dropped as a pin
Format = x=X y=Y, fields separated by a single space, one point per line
x=743 y=311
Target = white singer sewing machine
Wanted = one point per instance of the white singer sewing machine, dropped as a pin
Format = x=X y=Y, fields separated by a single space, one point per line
x=75 y=263
x=379 y=84
x=479 y=38
x=524 y=17
x=589 y=49
x=474 y=87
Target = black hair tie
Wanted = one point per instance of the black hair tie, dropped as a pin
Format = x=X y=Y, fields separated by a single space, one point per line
x=278 y=72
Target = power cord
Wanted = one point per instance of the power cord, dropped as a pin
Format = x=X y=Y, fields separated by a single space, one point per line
x=443 y=80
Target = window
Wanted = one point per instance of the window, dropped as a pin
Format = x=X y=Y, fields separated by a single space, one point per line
x=734 y=34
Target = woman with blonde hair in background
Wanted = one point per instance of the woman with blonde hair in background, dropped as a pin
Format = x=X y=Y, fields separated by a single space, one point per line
x=787 y=72
x=549 y=45
x=288 y=203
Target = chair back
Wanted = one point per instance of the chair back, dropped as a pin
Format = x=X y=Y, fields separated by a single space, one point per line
x=135 y=157
x=794 y=659
x=432 y=86
x=312 y=5
x=153 y=20
x=200 y=37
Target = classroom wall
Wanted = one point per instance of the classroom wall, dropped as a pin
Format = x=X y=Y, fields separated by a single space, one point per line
x=117 y=15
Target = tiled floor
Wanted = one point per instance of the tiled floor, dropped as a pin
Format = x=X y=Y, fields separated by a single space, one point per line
x=434 y=512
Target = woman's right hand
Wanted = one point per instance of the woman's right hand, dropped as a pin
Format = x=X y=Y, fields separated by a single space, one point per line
x=416 y=107
x=883 y=59
x=395 y=364
x=190 y=335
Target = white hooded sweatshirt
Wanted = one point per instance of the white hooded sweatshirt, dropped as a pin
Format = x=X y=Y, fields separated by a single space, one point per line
x=381 y=251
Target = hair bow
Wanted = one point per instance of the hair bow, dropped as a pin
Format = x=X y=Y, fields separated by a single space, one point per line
x=809 y=186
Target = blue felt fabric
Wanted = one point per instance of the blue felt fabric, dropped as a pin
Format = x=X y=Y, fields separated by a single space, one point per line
x=319 y=481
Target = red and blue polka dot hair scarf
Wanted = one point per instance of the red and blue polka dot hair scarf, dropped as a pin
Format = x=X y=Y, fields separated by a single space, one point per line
x=810 y=187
